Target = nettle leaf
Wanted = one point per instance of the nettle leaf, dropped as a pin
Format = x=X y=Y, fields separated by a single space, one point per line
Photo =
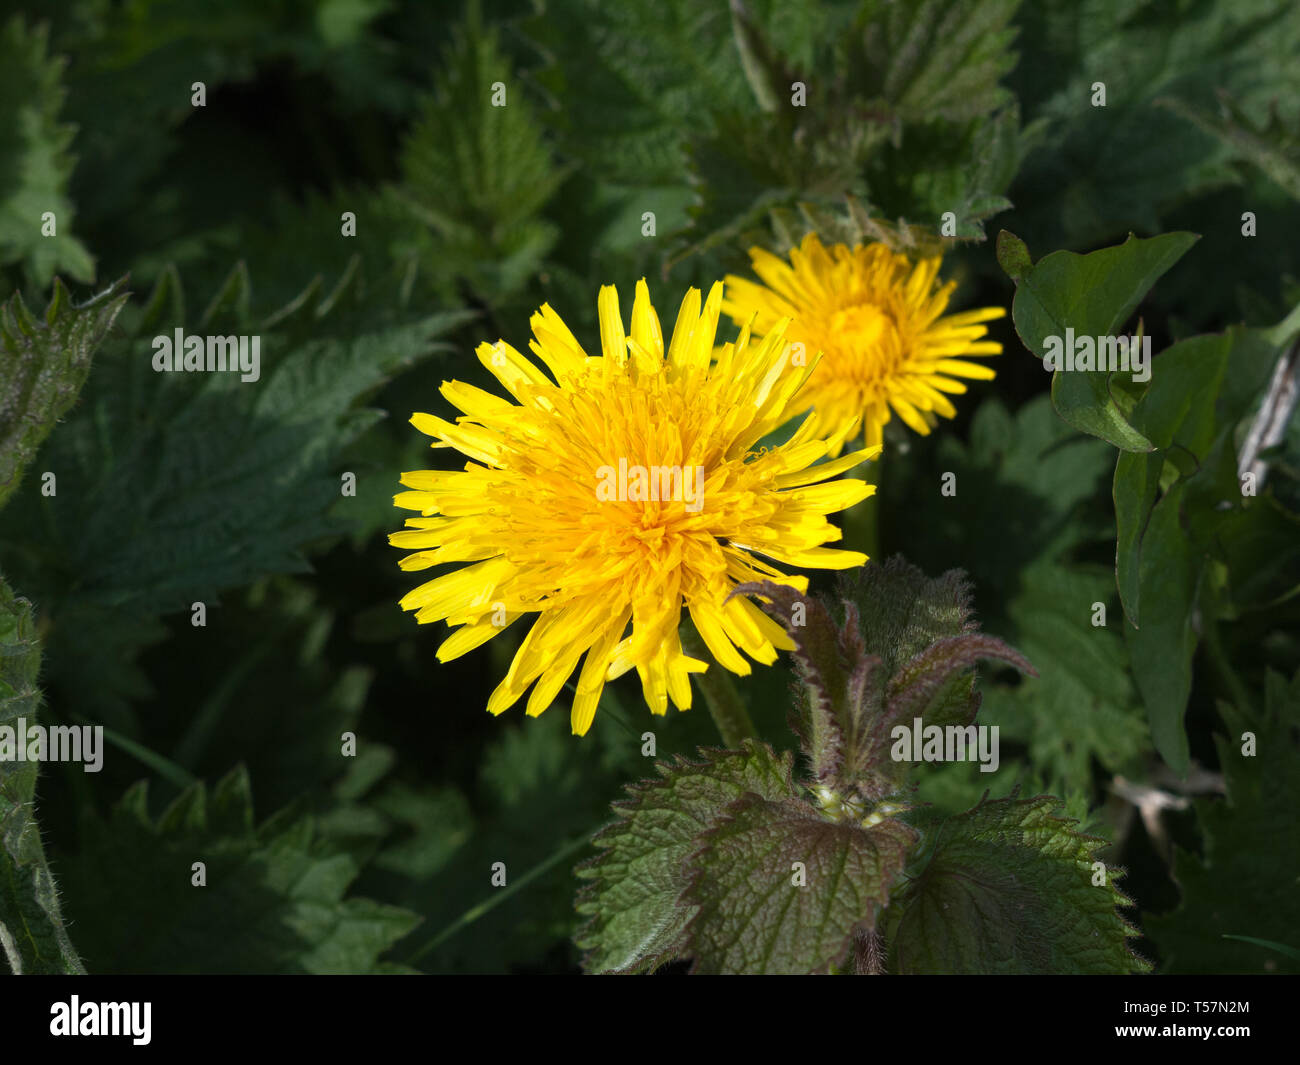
x=43 y=364
x=36 y=167
x=842 y=685
x=1009 y=887
x=1237 y=887
x=1093 y=295
x=479 y=174
x=637 y=920
x=1272 y=145
x=781 y=889
x=1081 y=706
x=1025 y=509
x=852 y=699
x=1126 y=165
x=275 y=899
x=640 y=102
x=938 y=58
x=903 y=611
x=32 y=935
x=175 y=487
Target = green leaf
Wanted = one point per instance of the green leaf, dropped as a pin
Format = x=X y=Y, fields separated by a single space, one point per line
x=32 y=935
x=175 y=487
x=1243 y=886
x=1178 y=405
x=1008 y=887
x=781 y=889
x=43 y=364
x=1082 y=708
x=1136 y=485
x=937 y=58
x=848 y=705
x=649 y=74
x=275 y=901
x=1094 y=295
x=36 y=165
x=1169 y=574
x=637 y=921
x=1130 y=164
x=1272 y=145
x=1013 y=256
x=477 y=171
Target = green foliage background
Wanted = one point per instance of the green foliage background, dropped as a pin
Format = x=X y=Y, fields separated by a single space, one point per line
x=176 y=489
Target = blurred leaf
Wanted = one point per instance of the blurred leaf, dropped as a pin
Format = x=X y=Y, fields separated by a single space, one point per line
x=1082 y=705
x=936 y=58
x=36 y=164
x=275 y=899
x=1125 y=166
x=1245 y=882
x=1273 y=146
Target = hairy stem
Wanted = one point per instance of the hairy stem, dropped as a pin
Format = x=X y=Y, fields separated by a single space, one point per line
x=868 y=954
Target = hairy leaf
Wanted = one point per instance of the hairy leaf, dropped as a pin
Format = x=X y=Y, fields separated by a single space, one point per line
x=43 y=364
x=1010 y=887
x=32 y=934
x=781 y=889
x=637 y=920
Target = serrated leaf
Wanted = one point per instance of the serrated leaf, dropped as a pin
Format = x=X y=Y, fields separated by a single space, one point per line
x=476 y=169
x=940 y=58
x=781 y=889
x=1082 y=708
x=209 y=483
x=275 y=900
x=637 y=920
x=43 y=364
x=1008 y=887
x=37 y=166
x=849 y=704
x=1245 y=883
x=903 y=611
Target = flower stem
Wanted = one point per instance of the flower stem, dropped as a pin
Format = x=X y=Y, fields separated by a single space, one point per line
x=724 y=702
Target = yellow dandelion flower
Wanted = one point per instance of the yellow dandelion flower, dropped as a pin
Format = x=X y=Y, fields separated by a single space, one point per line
x=613 y=493
x=877 y=318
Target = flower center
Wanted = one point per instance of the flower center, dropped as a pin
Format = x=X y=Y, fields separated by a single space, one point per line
x=863 y=345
